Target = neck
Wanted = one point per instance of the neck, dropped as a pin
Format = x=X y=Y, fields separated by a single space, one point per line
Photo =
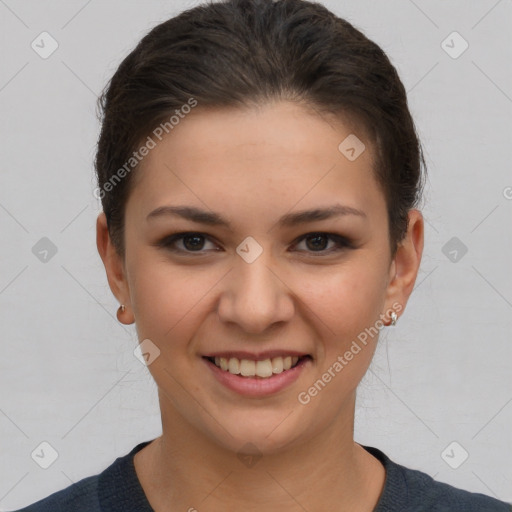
x=185 y=470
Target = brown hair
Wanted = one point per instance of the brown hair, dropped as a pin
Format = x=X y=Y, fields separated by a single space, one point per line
x=246 y=52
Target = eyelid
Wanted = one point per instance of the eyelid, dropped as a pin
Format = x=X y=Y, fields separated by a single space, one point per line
x=168 y=241
x=342 y=243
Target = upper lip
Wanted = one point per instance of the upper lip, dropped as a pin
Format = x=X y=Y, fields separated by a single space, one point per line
x=255 y=356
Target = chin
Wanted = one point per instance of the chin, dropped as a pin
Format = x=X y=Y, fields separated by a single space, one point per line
x=269 y=434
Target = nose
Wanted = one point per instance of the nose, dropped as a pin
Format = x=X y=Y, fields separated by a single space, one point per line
x=255 y=296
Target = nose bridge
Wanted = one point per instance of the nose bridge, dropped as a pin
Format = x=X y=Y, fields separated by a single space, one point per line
x=254 y=297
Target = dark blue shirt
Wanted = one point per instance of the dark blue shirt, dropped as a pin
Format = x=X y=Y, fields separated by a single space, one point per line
x=117 y=489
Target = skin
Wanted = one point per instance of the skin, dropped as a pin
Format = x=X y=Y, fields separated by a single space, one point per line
x=251 y=167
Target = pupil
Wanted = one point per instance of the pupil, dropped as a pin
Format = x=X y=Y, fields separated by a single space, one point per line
x=316 y=245
x=197 y=242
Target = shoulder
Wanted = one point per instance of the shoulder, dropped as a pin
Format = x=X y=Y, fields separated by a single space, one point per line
x=81 y=496
x=115 y=489
x=439 y=496
x=411 y=490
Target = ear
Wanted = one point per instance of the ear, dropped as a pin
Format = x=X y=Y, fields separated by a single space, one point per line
x=405 y=265
x=114 y=265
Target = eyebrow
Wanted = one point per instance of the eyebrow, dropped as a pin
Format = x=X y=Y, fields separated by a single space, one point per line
x=288 y=220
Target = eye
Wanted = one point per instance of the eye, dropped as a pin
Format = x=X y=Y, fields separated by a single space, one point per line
x=192 y=242
x=319 y=243
x=186 y=243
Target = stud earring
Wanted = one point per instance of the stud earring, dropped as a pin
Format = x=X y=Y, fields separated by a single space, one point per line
x=120 y=311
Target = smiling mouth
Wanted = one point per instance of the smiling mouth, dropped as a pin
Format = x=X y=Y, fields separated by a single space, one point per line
x=263 y=369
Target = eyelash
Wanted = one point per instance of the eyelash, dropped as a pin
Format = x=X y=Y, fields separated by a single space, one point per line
x=342 y=242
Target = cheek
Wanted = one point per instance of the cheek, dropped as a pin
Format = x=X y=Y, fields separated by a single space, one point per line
x=171 y=301
x=346 y=298
x=166 y=298
x=349 y=304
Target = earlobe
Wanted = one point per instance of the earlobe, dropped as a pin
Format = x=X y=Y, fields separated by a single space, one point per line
x=114 y=267
x=406 y=263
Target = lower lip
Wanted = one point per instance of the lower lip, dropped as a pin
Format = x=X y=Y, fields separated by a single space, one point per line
x=256 y=386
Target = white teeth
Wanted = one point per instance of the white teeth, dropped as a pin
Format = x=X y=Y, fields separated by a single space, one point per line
x=277 y=364
x=247 y=368
x=264 y=368
x=234 y=366
x=250 y=368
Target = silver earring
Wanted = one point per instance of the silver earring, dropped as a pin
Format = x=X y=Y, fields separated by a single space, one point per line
x=394 y=318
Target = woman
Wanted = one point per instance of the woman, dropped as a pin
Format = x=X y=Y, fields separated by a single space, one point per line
x=260 y=174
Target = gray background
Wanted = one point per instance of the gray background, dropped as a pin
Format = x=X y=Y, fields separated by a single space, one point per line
x=68 y=375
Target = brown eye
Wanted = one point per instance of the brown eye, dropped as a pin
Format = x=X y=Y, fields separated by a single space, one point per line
x=187 y=243
x=193 y=242
x=317 y=242
x=322 y=243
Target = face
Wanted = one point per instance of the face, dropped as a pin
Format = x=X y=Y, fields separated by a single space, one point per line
x=252 y=242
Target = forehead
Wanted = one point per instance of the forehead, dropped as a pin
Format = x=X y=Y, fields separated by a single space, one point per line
x=281 y=150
